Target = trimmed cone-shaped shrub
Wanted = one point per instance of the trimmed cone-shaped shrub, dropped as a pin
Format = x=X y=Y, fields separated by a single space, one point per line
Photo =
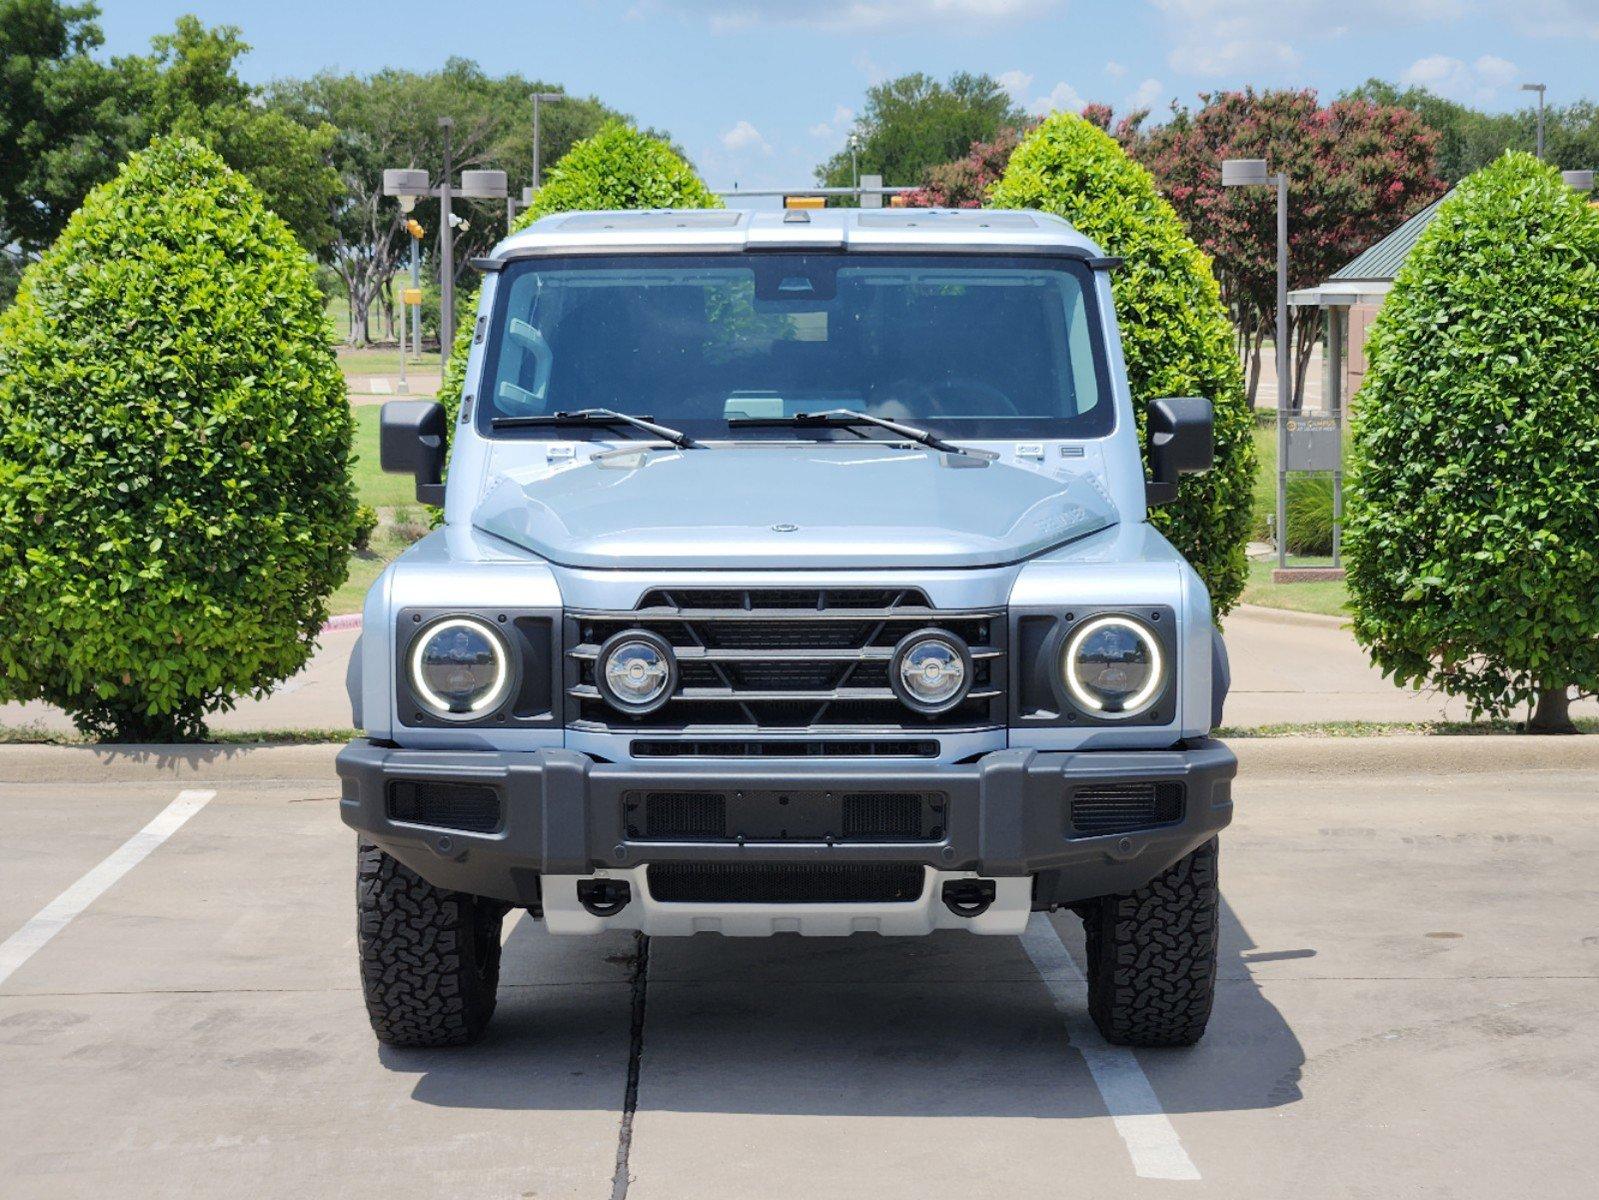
x=617 y=168
x=1472 y=521
x=1175 y=332
x=175 y=500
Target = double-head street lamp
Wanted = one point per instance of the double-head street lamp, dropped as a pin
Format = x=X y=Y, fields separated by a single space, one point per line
x=1540 y=88
x=409 y=185
x=1252 y=172
x=538 y=165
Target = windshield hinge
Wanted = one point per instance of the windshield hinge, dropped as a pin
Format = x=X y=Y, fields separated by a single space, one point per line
x=487 y=265
x=1107 y=263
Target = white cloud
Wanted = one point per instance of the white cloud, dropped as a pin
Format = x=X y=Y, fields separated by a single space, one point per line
x=744 y=138
x=1477 y=82
x=1016 y=83
x=1062 y=97
x=843 y=118
x=1115 y=69
x=855 y=15
x=1145 y=95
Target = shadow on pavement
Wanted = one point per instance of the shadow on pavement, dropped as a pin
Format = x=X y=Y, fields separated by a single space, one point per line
x=948 y=1025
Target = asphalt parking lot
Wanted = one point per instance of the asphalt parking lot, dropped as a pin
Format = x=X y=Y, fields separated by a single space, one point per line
x=1409 y=955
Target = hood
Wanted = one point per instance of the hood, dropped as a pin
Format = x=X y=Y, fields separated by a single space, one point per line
x=829 y=505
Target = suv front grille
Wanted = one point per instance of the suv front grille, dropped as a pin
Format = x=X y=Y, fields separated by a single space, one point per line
x=788 y=659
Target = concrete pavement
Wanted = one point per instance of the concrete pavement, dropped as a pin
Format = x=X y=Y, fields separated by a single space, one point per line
x=1409 y=953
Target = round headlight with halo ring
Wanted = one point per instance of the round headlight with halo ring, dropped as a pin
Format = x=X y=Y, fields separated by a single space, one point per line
x=636 y=671
x=1113 y=666
x=930 y=671
x=460 y=669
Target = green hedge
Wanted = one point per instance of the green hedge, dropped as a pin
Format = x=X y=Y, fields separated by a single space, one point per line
x=1175 y=332
x=175 y=503
x=617 y=168
x=1473 y=514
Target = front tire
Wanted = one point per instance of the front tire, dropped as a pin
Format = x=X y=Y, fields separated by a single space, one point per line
x=430 y=958
x=1152 y=956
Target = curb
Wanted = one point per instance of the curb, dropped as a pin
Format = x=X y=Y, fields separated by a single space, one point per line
x=1287 y=616
x=345 y=621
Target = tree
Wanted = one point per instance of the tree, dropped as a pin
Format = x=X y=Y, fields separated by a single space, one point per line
x=1472 y=518
x=175 y=498
x=391 y=119
x=966 y=182
x=915 y=122
x=1356 y=170
x=62 y=118
x=1175 y=334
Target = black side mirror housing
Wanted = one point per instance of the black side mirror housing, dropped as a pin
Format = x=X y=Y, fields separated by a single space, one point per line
x=1182 y=441
x=411 y=442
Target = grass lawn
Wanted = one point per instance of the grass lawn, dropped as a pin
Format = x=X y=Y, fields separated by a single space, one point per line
x=367 y=565
x=385 y=360
x=372 y=486
x=1329 y=598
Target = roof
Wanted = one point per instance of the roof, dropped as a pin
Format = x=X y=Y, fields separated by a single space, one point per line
x=1381 y=262
x=732 y=230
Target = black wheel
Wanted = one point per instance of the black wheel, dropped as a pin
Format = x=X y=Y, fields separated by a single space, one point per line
x=1152 y=956
x=430 y=959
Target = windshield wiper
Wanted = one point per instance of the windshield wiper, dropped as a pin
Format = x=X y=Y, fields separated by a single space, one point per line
x=598 y=416
x=843 y=418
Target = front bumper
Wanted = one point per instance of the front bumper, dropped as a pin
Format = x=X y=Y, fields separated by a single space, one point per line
x=1005 y=816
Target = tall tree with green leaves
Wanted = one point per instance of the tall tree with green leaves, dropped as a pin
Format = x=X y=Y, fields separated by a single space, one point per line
x=1175 y=333
x=916 y=122
x=1472 y=519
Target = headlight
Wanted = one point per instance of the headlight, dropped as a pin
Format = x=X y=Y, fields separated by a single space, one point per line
x=636 y=671
x=930 y=671
x=1113 y=666
x=460 y=668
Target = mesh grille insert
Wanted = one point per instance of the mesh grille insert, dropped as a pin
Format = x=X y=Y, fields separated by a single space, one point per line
x=473 y=807
x=1121 y=807
x=883 y=814
x=785 y=883
x=685 y=814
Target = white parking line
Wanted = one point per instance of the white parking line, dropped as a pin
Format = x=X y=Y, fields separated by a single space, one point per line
x=55 y=916
x=1156 y=1150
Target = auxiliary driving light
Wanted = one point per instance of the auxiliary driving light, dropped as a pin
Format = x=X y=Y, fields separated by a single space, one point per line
x=460 y=668
x=931 y=671
x=1113 y=666
x=636 y=671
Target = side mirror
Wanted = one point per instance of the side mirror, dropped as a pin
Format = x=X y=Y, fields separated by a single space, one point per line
x=411 y=442
x=1182 y=441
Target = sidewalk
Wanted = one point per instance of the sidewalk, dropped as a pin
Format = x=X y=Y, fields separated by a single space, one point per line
x=1288 y=668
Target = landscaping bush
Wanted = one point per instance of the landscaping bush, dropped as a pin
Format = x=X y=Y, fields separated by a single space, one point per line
x=617 y=168
x=175 y=502
x=1175 y=332
x=364 y=526
x=1473 y=514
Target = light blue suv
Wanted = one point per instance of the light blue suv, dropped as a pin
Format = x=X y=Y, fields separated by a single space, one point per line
x=795 y=576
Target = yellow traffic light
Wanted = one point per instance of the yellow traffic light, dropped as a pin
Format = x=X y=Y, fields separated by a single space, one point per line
x=414 y=228
x=804 y=201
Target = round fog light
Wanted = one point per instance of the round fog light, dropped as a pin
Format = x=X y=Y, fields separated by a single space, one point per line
x=636 y=671
x=459 y=668
x=1113 y=666
x=931 y=671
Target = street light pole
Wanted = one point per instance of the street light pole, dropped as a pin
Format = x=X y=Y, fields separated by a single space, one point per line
x=446 y=250
x=1540 y=88
x=538 y=161
x=1252 y=172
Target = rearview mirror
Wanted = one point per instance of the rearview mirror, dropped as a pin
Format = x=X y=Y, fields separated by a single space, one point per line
x=411 y=442
x=1182 y=441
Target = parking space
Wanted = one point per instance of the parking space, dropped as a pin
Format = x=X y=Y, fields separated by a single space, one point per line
x=1410 y=947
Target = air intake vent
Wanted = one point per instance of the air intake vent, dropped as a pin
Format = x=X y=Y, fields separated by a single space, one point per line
x=685 y=815
x=883 y=815
x=472 y=807
x=1099 y=808
x=785 y=883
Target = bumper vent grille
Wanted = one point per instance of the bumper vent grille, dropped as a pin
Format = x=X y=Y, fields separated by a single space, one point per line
x=760 y=815
x=883 y=815
x=472 y=807
x=1100 y=808
x=785 y=883
x=890 y=748
x=685 y=815
x=786 y=659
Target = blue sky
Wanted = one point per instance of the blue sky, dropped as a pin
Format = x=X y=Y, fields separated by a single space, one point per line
x=759 y=91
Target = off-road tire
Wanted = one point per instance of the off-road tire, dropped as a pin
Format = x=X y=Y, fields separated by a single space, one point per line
x=1152 y=956
x=430 y=958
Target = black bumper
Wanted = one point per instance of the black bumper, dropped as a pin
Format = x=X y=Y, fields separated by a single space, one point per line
x=1007 y=814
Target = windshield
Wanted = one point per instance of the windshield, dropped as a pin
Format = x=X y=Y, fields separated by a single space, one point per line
x=969 y=346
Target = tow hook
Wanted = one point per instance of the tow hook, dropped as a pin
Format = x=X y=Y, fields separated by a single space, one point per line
x=604 y=897
x=968 y=897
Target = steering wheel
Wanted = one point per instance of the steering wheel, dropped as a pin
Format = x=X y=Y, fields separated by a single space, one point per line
x=944 y=398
